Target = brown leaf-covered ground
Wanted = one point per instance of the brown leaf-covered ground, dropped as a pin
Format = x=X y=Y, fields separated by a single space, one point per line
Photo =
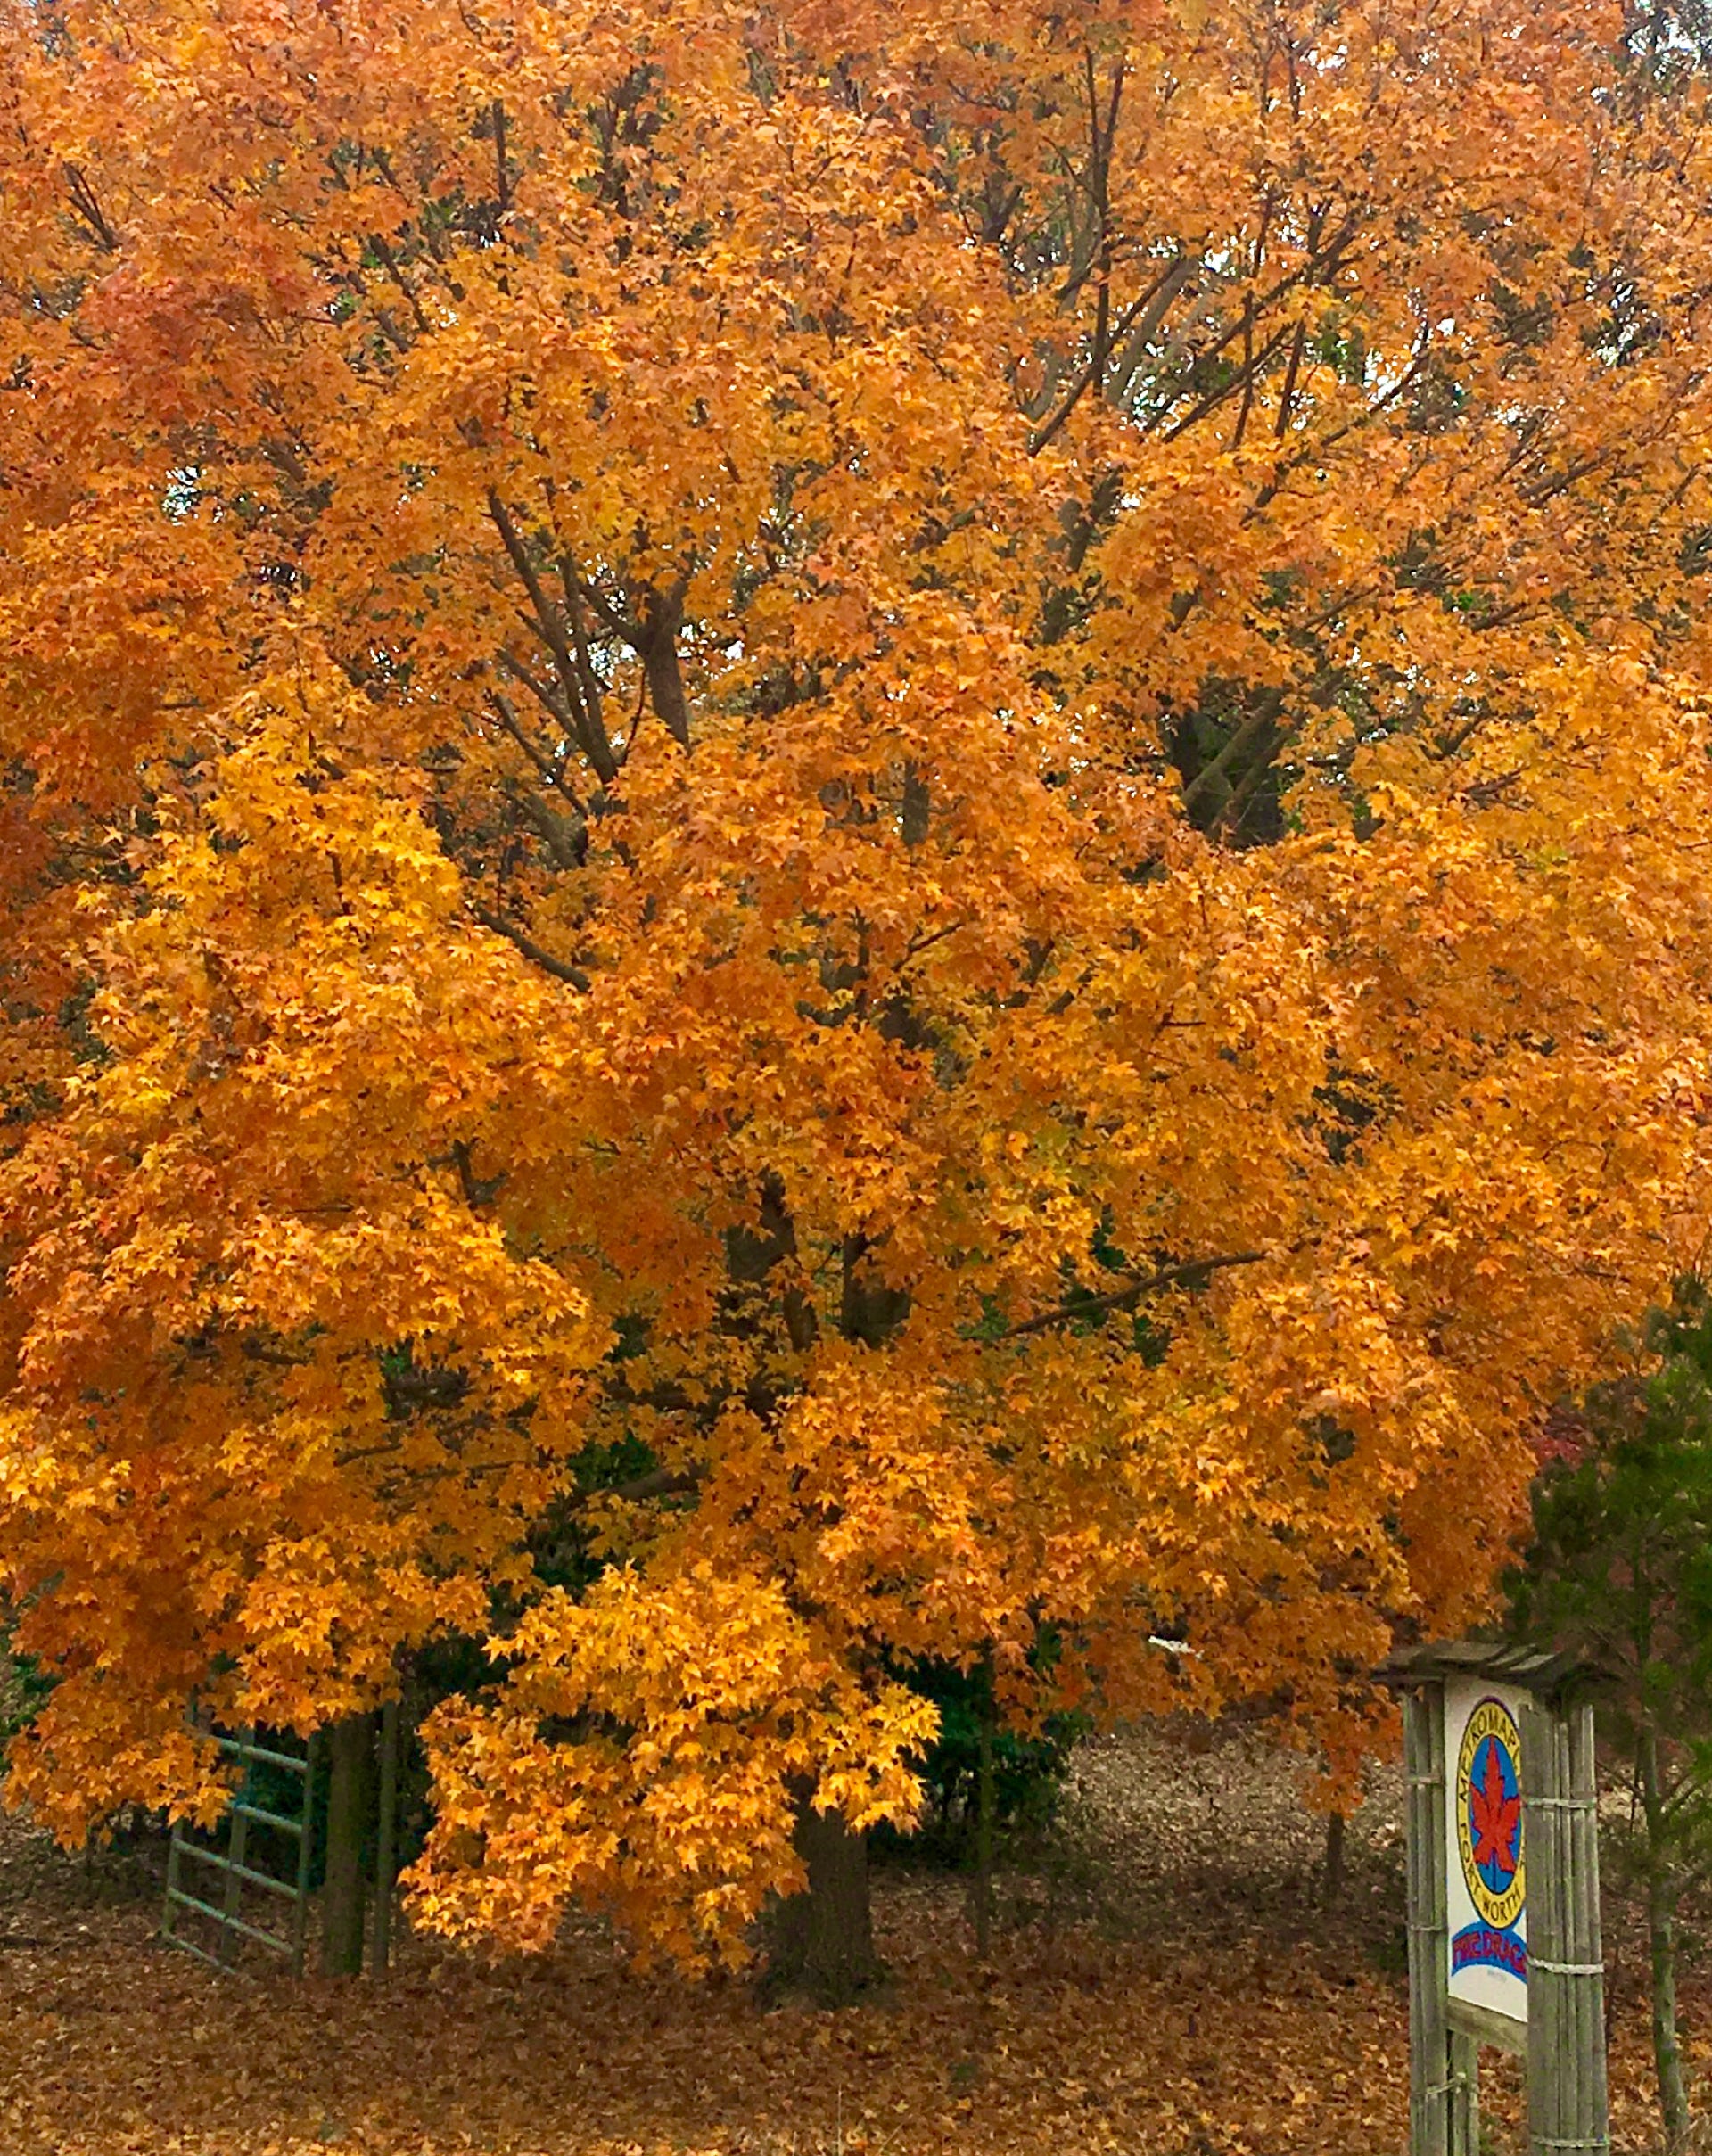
x=1165 y=1984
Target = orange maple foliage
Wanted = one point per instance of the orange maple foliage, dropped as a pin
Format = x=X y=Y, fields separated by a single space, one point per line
x=900 y=811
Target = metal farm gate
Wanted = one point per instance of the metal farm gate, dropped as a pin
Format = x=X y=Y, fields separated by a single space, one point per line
x=207 y=1874
x=233 y=1869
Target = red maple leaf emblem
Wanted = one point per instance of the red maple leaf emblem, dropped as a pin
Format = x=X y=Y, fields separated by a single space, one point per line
x=1496 y=1819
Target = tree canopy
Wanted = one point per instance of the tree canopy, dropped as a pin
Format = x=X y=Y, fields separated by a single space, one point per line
x=829 y=834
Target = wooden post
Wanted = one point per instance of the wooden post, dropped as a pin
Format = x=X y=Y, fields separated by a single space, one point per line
x=1429 y=2049
x=350 y=1750
x=386 y=1859
x=175 y=1881
x=305 y=1857
x=237 y=1850
x=984 y=1804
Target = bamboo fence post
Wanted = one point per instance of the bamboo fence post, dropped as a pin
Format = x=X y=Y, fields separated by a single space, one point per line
x=305 y=1855
x=1561 y=2027
x=1544 y=1947
x=1430 y=2049
x=1587 y=2126
x=1465 y=2095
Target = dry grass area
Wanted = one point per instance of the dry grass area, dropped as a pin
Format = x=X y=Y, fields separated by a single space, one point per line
x=1167 y=1987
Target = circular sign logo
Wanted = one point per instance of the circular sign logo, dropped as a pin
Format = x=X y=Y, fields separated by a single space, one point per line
x=1489 y=1813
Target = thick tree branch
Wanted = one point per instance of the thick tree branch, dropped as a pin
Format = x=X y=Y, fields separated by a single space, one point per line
x=1154 y=302
x=561 y=969
x=661 y=617
x=591 y=680
x=550 y=770
x=389 y=262
x=550 y=626
x=502 y=176
x=1240 y=742
x=1189 y=1273
x=87 y=206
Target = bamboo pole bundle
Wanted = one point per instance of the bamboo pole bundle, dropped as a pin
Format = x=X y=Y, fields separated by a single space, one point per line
x=1542 y=1820
x=1588 y=2127
x=1423 y=1731
x=1568 y=2111
x=1465 y=2095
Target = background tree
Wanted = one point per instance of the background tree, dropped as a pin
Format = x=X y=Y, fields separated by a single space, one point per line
x=900 y=821
x=1619 y=1569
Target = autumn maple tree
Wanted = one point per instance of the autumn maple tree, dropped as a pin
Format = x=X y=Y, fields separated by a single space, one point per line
x=899 y=814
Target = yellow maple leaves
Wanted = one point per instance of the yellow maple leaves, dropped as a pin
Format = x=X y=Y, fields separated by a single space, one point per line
x=704 y=1706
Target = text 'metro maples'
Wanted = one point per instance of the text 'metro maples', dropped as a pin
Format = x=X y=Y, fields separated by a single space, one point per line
x=829 y=834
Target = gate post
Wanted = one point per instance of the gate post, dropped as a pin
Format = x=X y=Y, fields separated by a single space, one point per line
x=1429 y=2058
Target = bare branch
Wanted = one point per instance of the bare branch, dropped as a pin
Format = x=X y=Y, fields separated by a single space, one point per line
x=87 y=206
x=390 y=263
x=1154 y=301
x=503 y=176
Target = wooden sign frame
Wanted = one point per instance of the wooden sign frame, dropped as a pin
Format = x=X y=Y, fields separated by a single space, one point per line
x=1562 y=2037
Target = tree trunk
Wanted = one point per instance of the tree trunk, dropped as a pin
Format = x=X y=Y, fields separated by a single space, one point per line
x=983 y=1800
x=1666 y=2053
x=1332 y=1885
x=917 y=806
x=350 y=1746
x=1661 y=1940
x=822 y=1940
x=869 y=1310
x=663 y=616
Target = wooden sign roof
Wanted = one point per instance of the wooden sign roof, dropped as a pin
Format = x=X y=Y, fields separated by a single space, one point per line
x=1549 y=1674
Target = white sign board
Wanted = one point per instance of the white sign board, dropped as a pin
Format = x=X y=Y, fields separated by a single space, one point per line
x=1483 y=1848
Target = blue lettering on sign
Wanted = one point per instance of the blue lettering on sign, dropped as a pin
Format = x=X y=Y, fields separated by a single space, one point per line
x=1481 y=1947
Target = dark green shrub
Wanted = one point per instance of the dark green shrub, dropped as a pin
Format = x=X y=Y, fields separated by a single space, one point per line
x=1028 y=1773
x=24 y=1684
